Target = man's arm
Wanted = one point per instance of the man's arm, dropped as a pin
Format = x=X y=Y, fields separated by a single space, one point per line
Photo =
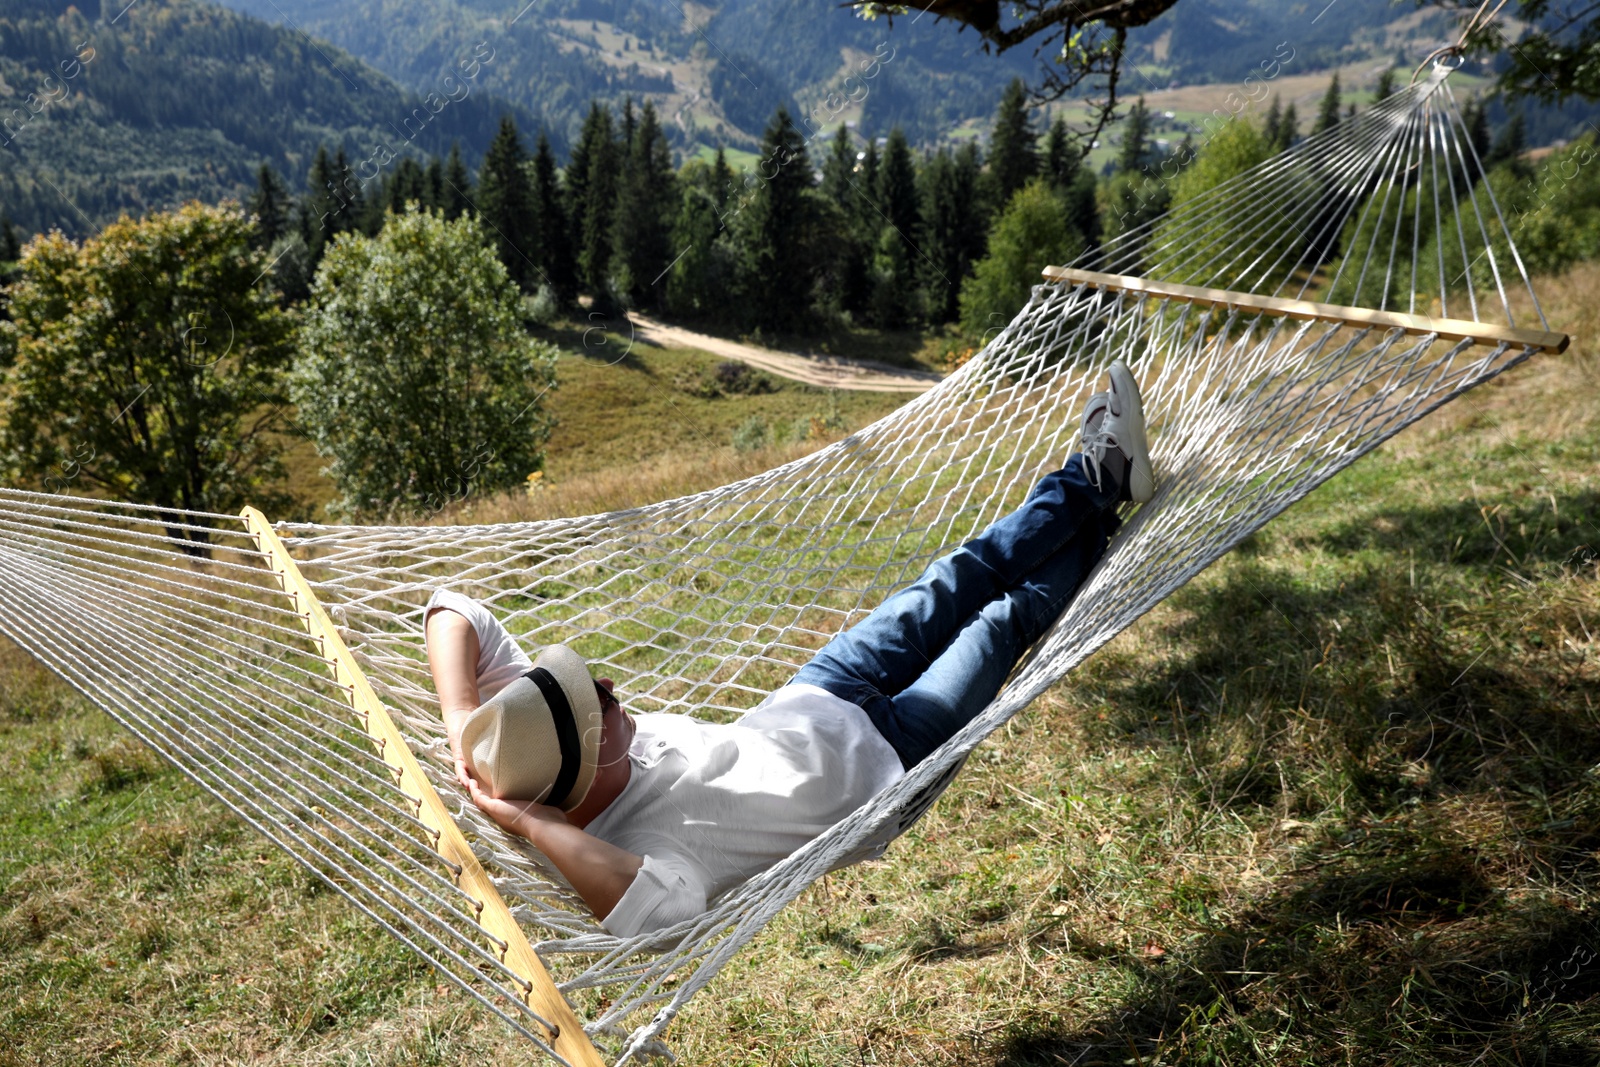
x=599 y=871
x=453 y=659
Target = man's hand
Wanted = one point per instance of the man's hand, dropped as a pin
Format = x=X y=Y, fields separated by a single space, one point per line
x=514 y=816
x=599 y=871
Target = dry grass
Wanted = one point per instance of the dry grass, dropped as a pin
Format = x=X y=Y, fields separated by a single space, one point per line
x=1335 y=802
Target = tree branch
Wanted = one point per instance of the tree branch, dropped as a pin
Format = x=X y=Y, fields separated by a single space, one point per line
x=1035 y=16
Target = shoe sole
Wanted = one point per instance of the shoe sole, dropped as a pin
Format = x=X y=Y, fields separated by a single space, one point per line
x=1141 y=478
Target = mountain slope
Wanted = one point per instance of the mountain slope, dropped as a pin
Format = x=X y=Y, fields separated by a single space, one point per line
x=180 y=99
x=718 y=72
x=718 y=69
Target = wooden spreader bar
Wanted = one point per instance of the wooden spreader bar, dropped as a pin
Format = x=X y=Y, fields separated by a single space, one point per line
x=1451 y=329
x=568 y=1039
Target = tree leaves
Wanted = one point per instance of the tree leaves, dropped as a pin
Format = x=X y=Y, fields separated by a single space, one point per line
x=415 y=375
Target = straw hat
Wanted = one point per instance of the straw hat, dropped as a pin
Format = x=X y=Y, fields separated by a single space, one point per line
x=539 y=738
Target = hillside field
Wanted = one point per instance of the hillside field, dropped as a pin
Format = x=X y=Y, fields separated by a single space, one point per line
x=1335 y=802
x=636 y=423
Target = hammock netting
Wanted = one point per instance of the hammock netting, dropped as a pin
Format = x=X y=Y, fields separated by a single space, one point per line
x=706 y=603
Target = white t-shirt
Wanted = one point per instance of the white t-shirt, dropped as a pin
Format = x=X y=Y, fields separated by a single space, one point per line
x=708 y=805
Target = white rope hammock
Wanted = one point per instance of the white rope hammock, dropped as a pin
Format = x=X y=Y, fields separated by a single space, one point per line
x=704 y=604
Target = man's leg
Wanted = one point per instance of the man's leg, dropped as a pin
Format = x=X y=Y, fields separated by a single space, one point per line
x=967 y=674
x=896 y=645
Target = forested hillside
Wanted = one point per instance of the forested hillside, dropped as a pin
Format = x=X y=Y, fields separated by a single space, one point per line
x=716 y=75
x=106 y=107
x=181 y=99
x=717 y=70
x=539 y=63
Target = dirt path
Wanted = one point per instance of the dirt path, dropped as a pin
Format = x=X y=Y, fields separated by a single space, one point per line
x=825 y=371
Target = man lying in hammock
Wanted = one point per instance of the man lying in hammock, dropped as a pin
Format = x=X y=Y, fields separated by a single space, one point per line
x=651 y=816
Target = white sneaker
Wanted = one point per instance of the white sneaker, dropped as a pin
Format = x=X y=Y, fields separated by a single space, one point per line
x=1114 y=422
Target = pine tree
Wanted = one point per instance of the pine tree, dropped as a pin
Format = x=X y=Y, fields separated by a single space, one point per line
x=269 y=204
x=953 y=231
x=778 y=274
x=839 y=171
x=721 y=182
x=323 y=212
x=433 y=185
x=1272 y=126
x=1288 y=129
x=840 y=188
x=10 y=241
x=1135 y=139
x=1328 y=110
x=1061 y=157
x=550 y=208
x=647 y=197
x=355 y=216
x=1013 y=147
x=406 y=184
x=968 y=159
x=897 y=186
x=1509 y=145
x=1073 y=182
x=1385 y=87
x=456 y=197
x=865 y=216
x=575 y=181
x=592 y=196
x=629 y=125
x=895 y=298
x=1475 y=117
x=505 y=206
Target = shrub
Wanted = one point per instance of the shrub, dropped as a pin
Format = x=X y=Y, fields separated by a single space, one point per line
x=752 y=434
x=728 y=378
x=544 y=307
x=740 y=379
x=414 y=373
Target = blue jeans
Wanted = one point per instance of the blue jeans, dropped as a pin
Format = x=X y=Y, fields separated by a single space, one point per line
x=933 y=655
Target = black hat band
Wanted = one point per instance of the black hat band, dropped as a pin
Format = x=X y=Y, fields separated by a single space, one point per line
x=566 y=734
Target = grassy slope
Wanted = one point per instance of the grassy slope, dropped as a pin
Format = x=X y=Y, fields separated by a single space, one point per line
x=1332 y=803
x=633 y=427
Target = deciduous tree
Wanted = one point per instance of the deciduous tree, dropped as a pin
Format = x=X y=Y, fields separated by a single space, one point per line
x=1032 y=232
x=419 y=384
x=147 y=364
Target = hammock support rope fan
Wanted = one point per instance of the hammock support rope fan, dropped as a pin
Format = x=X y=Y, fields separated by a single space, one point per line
x=1282 y=325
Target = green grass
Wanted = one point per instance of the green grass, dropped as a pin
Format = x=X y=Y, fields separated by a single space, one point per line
x=1336 y=801
x=622 y=403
